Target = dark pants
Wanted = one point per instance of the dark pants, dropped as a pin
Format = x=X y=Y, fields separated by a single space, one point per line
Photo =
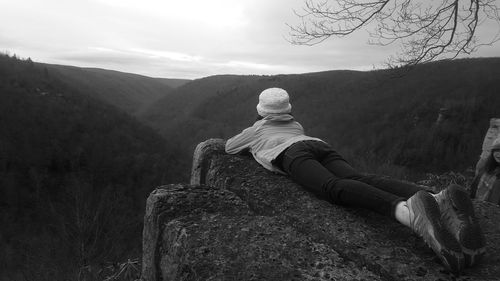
x=321 y=170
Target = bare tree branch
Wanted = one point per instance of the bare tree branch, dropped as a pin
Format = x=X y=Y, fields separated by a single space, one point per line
x=427 y=30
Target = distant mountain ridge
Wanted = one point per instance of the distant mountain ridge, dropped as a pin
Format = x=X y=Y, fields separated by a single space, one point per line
x=385 y=116
x=129 y=92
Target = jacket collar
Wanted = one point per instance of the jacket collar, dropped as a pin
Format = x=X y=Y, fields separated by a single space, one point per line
x=278 y=117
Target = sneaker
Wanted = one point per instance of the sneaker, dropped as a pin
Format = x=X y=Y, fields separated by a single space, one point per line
x=425 y=220
x=457 y=213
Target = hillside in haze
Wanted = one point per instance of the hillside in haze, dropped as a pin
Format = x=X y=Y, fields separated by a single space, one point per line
x=383 y=121
x=74 y=176
x=129 y=92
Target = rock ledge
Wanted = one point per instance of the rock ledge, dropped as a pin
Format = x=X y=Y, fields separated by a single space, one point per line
x=237 y=221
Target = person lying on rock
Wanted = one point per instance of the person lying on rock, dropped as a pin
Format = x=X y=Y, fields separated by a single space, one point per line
x=446 y=221
x=486 y=184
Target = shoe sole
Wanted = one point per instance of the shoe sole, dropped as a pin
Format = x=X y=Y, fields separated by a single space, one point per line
x=470 y=237
x=442 y=242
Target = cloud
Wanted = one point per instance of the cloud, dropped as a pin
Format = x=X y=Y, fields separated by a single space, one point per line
x=166 y=38
x=158 y=54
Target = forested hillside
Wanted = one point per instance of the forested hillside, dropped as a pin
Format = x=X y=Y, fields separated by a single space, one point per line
x=74 y=176
x=75 y=168
x=129 y=92
x=384 y=121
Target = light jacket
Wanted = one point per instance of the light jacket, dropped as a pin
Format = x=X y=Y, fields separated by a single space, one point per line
x=486 y=186
x=267 y=138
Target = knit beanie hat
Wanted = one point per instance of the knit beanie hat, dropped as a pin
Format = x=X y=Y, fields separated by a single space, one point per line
x=273 y=100
x=496 y=144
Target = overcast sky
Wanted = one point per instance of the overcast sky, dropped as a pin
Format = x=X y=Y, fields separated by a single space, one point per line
x=178 y=38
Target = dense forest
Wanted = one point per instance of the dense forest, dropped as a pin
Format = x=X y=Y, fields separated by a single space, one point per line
x=129 y=92
x=74 y=176
x=76 y=166
x=383 y=121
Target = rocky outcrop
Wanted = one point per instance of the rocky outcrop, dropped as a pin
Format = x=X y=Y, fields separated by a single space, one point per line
x=237 y=221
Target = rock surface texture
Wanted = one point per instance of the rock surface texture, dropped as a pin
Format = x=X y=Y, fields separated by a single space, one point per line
x=237 y=221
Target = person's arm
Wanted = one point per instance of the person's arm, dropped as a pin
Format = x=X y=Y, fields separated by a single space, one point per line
x=240 y=142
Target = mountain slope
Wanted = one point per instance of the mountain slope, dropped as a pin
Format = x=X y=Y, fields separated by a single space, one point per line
x=129 y=92
x=384 y=118
x=74 y=175
x=75 y=171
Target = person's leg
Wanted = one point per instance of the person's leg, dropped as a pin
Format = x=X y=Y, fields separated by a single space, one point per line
x=299 y=161
x=398 y=187
x=332 y=161
x=420 y=212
